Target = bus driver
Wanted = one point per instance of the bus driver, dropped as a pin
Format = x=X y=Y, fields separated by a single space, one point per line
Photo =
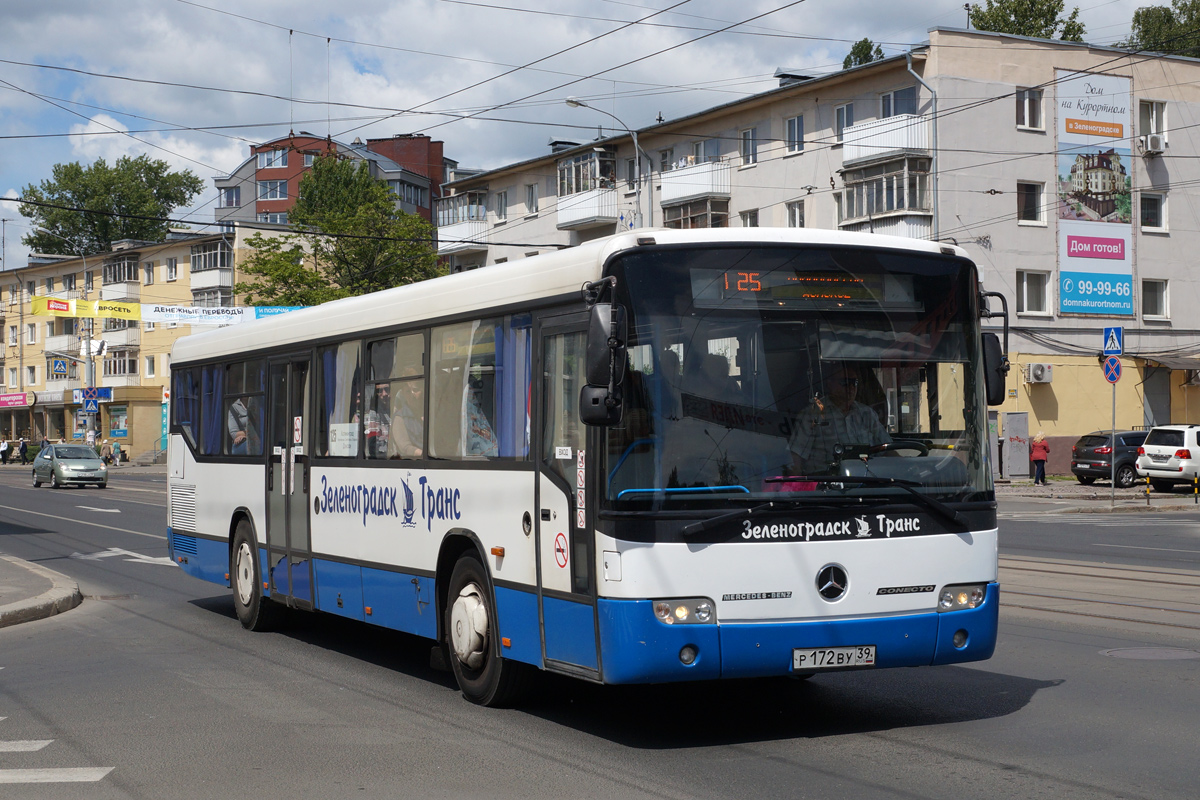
x=836 y=418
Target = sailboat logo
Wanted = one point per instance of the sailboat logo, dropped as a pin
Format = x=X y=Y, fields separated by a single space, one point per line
x=410 y=507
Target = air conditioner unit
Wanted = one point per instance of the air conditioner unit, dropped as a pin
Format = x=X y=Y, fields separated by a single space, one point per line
x=1193 y=378
x=1039 y=373
x=1153 y=144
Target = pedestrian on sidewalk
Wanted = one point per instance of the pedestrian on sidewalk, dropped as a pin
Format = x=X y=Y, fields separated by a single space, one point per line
x=4 y=452
x=106 y=452
x=23 y=451
x=1039 y=453
x=116 y=453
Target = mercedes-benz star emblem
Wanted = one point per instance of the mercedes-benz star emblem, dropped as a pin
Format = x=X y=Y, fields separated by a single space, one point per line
x=832 y=582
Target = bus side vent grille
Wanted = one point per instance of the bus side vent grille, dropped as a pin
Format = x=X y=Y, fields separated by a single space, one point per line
x=183 y=508
x=183 y=543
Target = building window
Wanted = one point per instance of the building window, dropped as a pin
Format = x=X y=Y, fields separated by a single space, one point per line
x=211 y=298
x=148 y=273
x=1152 y=117
x=531 y=198
x=272 y=190
x=124 y=270
x=901 y=101
x=71 y=374
x=273 y=217
x=149 y=326
x=309 y=159
x=149 y=366
x=1029 y=109
x=795 y=134
x=749 y=149
x=69 y=282
x=586 y=171
x=268 y=159
x=1029 y=204
x=12 y=376
x=501 y=206
x=666 y=160
x=631 y=166
x=172 y=269
x=465 y=207
x=707 y=213
x=231 y=197
x=12 y=334
x=212 y=255
x=1154 y=211
x=900 y=185
x=795 y=214
x=49 y=285
x=31 y=375
x=119 y=364
x=31 y=333
x=1031 y=292
x=88 y=281
x=843 y=117
x=409 y=193
x=49 y=329
x=1154 y=299
x=750 y=218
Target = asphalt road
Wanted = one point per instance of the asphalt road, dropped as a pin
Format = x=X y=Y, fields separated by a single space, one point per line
x=153 y=683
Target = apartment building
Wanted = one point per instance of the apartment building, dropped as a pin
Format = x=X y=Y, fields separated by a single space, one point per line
x=44 y=359
x=1068 y=172
x=265 y=186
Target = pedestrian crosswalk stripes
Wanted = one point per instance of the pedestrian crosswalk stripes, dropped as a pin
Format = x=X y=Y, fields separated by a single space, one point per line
x=12 y=776
x=24 y=747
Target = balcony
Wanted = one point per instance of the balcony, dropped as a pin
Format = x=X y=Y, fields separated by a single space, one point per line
x=706 y=179
x=63 y=343
x=212 y=279
x=123 y=338
x=589 y=209
x=120 y=380
x=123 y=290
x=65 y=294
x=60 y=385
x=886 y=138
x=458 y=238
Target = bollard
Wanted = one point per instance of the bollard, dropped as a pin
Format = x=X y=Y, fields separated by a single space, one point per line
x=1196 y=491
x=1147 y=491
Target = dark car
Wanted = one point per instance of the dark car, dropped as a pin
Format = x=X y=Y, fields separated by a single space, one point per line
x=1092 y=457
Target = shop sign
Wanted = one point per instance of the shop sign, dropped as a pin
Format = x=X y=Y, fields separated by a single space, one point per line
x=19 y=400
x=118 y=425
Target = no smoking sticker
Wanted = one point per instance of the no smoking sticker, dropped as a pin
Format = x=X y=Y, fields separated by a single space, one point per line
x=560 y=550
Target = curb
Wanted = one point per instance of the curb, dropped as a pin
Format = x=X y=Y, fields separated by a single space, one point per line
x=63 y=595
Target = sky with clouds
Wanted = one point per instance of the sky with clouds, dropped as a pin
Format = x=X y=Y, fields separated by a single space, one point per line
x=196 y=82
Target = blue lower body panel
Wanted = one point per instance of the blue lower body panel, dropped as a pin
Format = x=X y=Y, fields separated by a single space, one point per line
x=518 y=617
x=570 y=632
x=638 y=648
x=201 y=558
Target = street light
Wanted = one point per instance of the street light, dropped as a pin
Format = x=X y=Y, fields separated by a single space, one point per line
x=91 y=323
x=575 y=102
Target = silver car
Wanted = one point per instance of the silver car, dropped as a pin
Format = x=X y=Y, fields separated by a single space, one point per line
x=69 y=465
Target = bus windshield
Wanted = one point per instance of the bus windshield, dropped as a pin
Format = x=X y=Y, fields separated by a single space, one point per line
x=760 y=373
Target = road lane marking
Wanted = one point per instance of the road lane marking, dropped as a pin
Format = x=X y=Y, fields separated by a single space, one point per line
x=105 y=510
x=83 y=522
x=129 y=555
x=26 y=746
x=1139 y=547
x=68 y=775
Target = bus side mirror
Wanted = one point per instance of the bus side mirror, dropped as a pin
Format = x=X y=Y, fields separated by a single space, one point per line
x=995 y=369
x=600 y=399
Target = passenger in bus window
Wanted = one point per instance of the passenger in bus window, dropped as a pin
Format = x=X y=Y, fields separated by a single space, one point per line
x=834 y=418
x=377 y=423
x=239 y=423
x=480 y=439
x=408 y=421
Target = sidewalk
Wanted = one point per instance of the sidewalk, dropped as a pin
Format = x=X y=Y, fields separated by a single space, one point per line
x=29 y=591
x=1098 y=498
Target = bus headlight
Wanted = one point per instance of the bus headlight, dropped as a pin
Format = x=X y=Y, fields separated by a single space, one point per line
x=957 y=598
x=688 y=611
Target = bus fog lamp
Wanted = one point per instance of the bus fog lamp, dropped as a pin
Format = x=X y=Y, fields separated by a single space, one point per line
x=688 y=655
x=960 y=639
x=686 y=611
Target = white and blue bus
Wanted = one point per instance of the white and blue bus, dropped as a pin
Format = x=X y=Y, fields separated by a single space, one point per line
x=660 y=456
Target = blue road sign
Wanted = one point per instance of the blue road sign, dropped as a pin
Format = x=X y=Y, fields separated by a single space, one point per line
x=1114 y=341
x=91 y=407
x=1112 y=369
x=58 y=366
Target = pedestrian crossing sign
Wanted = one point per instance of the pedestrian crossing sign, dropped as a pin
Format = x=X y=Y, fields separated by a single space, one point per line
x=58 y=366
x=1114 y=341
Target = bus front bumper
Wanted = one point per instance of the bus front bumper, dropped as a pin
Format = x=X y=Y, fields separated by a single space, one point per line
x=638 y=648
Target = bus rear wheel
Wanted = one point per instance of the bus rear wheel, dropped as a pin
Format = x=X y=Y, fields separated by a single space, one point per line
x=483 y=675
x=255 y=612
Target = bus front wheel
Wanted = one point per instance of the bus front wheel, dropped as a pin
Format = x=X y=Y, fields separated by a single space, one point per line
x=483 y=675
x=255 y=612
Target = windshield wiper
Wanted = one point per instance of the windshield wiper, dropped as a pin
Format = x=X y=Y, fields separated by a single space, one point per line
x=909 y=486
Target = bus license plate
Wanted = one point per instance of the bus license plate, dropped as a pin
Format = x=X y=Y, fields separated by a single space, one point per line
x=834 y=657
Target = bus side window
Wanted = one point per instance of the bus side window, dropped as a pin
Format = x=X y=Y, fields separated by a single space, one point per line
x=339 y=400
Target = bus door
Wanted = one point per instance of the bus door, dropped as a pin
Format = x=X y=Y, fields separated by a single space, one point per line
x=289 y=551
x=565 y=546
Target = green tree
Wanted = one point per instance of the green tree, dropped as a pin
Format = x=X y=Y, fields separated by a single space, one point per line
x=138 y=187
x=864 y=51
x=1174 y=30
x=1041 y=19
x=348 y=239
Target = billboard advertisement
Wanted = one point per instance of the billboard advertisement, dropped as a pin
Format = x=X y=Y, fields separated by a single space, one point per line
x=1095 y=201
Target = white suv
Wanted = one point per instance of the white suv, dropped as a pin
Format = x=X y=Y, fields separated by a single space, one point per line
x=1170 y=455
